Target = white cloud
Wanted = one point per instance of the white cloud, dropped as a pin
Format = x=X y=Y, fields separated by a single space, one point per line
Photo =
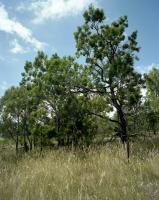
x=12 y=26
x=4 y=85
x=16 y=47
x=55 y=9
x=149 y=67
x=144 y=69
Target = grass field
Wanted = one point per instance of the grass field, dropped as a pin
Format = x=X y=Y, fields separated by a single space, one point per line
x=96 y=174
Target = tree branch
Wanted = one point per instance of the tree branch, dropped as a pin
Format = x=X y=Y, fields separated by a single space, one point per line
x=104 y=117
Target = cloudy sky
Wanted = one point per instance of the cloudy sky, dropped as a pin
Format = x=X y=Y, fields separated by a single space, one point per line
x=32 y=25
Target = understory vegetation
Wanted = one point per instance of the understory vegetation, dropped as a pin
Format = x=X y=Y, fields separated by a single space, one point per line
x=95 y=173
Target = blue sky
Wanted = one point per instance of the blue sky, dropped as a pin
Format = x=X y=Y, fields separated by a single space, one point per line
x=32 y=25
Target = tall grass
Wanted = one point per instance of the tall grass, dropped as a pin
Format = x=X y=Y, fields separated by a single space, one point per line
x=96 y=174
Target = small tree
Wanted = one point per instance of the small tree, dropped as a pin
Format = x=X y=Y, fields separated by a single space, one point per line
x=15 y=115
x=152 y=98
x=51 y=83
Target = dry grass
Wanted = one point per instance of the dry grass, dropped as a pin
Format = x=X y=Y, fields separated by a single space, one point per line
x=100 y=174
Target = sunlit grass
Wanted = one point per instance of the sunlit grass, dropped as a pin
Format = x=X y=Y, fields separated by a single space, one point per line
x=98 y=173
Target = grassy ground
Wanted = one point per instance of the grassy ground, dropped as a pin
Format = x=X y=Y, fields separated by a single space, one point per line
x=96 y=174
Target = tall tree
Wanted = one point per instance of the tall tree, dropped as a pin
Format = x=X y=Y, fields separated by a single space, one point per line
x=110 y=57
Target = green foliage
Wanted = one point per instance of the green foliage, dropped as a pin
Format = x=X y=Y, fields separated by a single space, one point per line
x=110 y=59
x=152 y=85
x=152 y=99
x=62 y=100
x=51 y=102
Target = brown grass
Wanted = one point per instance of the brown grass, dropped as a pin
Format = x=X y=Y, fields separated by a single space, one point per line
x=98 y=174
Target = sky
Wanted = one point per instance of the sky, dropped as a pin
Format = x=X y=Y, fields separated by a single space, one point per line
x=48 y=25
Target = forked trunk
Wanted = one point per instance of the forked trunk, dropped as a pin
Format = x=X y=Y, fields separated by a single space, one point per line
x=122 y=122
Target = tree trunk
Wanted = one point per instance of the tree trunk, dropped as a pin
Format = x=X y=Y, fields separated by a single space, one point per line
x=17 y=138
x=57 y=124
x=124 y=133
x=30 y=142
x=17 y=143
x=34 y=141
x=25 y=143
x=41 y=147
x=154 y=131
x=123 y=125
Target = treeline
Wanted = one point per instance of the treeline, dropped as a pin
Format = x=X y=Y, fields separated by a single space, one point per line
x=63 y=101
